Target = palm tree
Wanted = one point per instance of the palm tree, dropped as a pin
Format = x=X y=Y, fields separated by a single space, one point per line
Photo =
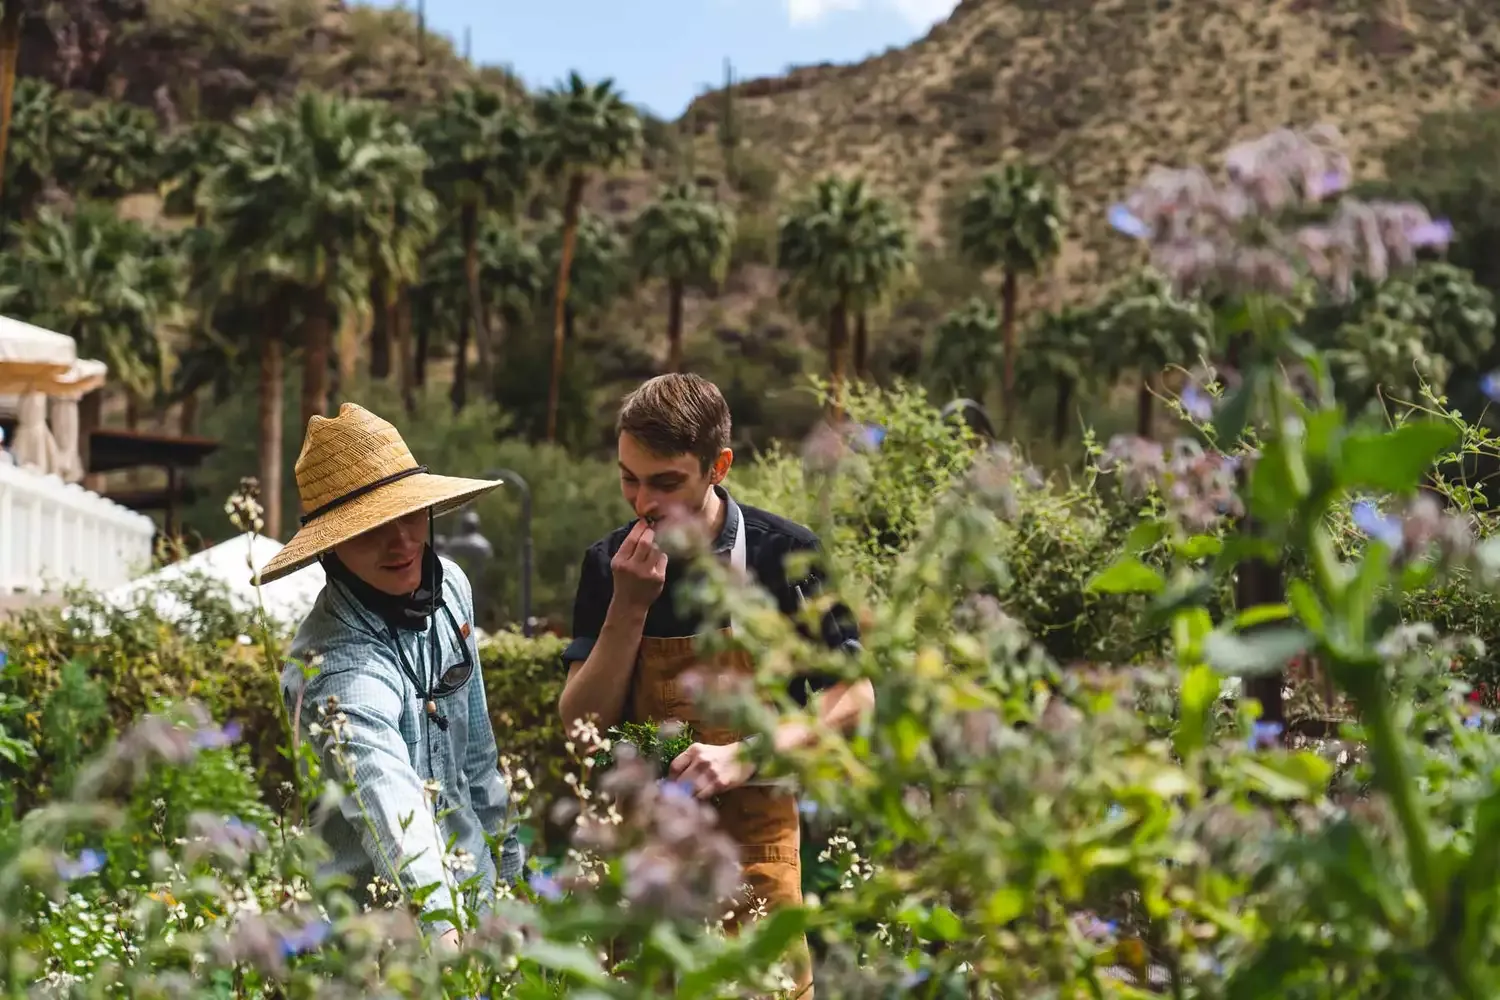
x=108 y=282
x=396 y=265
x=482 y=153
x=307 y=199
x=114 y=150
x=583 y=128
x=684 y=239
x=38 y=134
x=965 y=350
x=1012 y=220
x=10 y=57
x=513 y=270
x=1059 y=349
x=598 y=272
x=842 y=249
x=1146 y=327
x=188 y=156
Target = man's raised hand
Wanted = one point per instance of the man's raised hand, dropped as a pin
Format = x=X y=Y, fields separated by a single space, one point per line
x=639 y=568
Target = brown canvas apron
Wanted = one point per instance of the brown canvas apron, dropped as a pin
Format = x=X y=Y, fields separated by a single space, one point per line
x=762 y=819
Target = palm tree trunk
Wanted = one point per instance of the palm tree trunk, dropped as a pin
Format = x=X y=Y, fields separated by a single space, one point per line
x=187 y=419
x=420 y=348
x=838 y=337
x=1145 y=409
x=10 y=56
x=272 y=385
x=382 y=306
x=1008 y=340
x=459 y=392
x=861 y=347
x=474 y=303
x=675 y=292
x=315 y=357
x=132 y=410
x=1060 y=415
x=401 y=336
x=559 y=311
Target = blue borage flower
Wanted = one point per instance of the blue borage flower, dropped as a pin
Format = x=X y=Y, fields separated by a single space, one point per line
x=1488 y=384
x=1197 y=404
x=1264 y=735
x=216 y=738
x=1126 y=221
x=87 y=863
x=305 y=938
x=544 y=885
x=1383 y=528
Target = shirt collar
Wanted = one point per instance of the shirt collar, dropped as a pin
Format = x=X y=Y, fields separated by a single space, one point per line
x=732 y=520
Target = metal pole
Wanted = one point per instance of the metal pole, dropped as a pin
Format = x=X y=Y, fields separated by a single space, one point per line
x=515 y=478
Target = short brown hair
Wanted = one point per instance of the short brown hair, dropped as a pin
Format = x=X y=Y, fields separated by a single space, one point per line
x=677 y=415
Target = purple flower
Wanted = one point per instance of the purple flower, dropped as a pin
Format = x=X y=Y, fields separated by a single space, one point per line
x=1331 y=182
x=1488 y=384
x=1474 y=720
x=676 y=789
x=215 y=738
x=305 y=938
x=807 y=807
x=871 y=436
x=1437 y=233
x=4 y=657
x=1127 y=222
x=1264 y=735
x=1197 y=403
x=544 y=885
x=1383 y=528
x=87 y=863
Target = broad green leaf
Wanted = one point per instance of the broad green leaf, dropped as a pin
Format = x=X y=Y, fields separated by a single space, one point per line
x=770 y=937
x=1261 y=614
x=1006 y=904
x=1234 y=412
x=1200 y=689
x=1199 y=547
x=573 y=959
x=943 y=925
x=1144 y=535
x=1289 y=776
x=1263 y=652
x=1396 y=460
x=1127 y=576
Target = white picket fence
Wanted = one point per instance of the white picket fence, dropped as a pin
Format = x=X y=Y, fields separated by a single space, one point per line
x=55 y=535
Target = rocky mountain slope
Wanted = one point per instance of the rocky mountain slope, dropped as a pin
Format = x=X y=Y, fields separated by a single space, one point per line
x=211 y=57
x=1097 y=90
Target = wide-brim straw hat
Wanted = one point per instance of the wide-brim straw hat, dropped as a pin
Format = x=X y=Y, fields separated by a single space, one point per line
x=355 y=473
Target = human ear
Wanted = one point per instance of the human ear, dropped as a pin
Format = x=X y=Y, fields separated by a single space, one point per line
x=720 y=469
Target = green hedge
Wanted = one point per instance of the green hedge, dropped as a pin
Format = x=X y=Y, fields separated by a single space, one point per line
x=73 y=679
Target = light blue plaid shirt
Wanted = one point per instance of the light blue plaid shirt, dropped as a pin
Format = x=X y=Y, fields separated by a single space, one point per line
x=394 y=748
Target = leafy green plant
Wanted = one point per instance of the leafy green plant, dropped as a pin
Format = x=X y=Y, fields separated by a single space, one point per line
x=648 y=742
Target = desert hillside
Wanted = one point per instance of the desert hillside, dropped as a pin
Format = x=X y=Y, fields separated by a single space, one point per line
x=1097 y=90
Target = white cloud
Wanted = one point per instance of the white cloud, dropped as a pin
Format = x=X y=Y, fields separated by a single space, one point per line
x=921 y=13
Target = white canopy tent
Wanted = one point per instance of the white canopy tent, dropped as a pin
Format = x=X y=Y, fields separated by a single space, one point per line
x=37 y=365
x=287 y=601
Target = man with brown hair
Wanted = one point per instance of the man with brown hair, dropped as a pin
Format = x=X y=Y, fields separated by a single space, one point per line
x=633 y=641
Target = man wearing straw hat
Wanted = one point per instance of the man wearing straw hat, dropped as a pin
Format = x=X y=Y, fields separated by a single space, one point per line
x=386 y=667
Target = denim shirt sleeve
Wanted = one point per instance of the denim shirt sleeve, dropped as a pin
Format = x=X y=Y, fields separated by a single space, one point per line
x=388 y=793
x=488 y=792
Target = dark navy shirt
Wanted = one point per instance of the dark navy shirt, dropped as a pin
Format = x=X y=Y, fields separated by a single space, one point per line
x=769 y=540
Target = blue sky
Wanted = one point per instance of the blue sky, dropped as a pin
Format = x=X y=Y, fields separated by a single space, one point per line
x=662 y=53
